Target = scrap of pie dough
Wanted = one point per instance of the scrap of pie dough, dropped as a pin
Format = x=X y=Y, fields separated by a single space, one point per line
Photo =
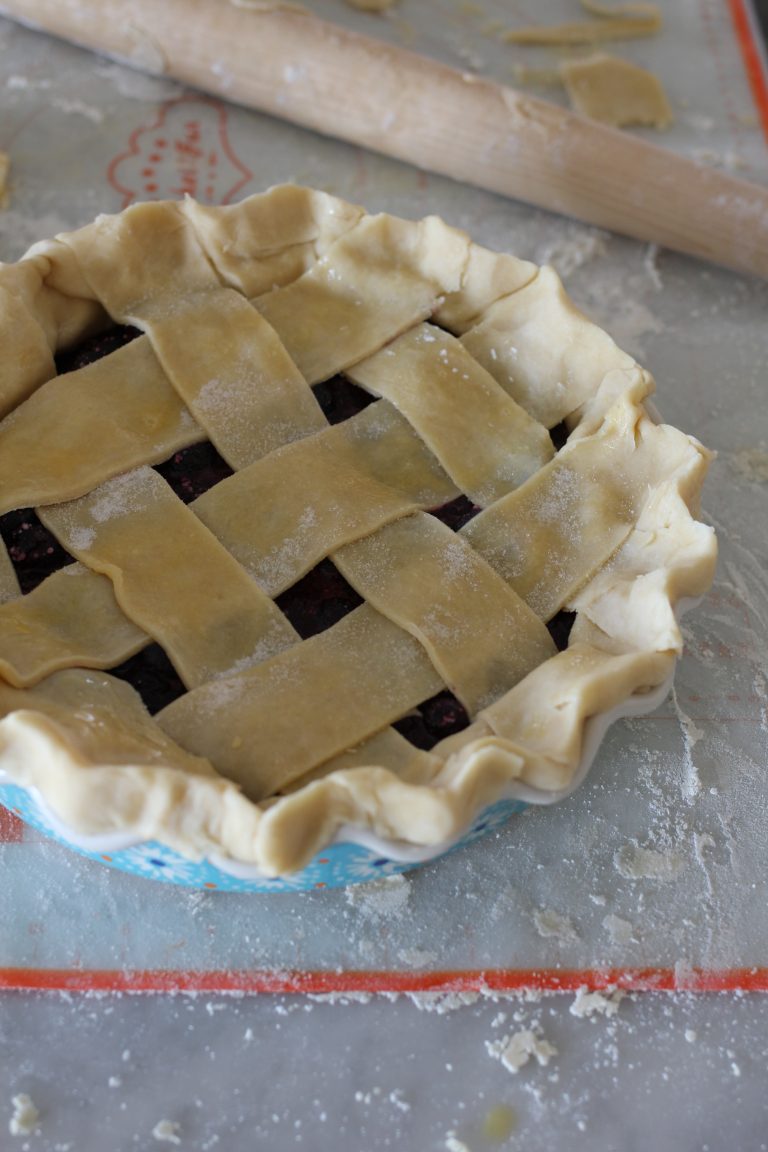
x=622 y=11
x=614 y=22
x=616 y=92
x=269 y=6
x=515 y=1051
x=4 y=166
x=168 y=1131
x=25 y=1116
x=371 y=5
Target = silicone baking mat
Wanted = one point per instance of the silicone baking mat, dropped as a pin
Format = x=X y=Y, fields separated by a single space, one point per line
x=650 y=876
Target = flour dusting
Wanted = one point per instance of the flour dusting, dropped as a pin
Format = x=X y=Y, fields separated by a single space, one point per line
x=636 y=863
x=552 y=924
x=386 y=897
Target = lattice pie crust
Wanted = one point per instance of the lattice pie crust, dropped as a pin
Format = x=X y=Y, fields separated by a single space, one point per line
x=472 y=357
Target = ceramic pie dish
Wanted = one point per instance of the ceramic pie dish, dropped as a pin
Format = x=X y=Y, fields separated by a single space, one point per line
x=358 y=535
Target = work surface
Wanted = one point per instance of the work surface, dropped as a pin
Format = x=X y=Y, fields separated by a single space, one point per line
x=382 y=1010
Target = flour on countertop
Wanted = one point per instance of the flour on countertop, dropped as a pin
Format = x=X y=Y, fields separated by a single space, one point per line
x=619 y=931
x=442 y=1002
x=550 y=923
x=386 y=897
x=636 y=863
x=651 y=266
x=453 y=1144
x=76 y=108
x=416 y=957
x=691 y=782
x=570 y=251
x=515 y=1051
x=25 y=1116
x=751 y=463
x=132 y=85
x=631 y=321
x=340 y=997
x=21 y=231
x=24 y=84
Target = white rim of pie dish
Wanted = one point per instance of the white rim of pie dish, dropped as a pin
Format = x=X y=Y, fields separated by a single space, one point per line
x=398 y=851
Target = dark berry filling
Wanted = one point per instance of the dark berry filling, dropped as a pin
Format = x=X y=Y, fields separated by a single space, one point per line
x=319 y=600
x=34 y=552
x=94 y=347
x=559 y=434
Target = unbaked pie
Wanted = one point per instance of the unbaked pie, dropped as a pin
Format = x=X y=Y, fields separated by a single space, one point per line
x=420 y=439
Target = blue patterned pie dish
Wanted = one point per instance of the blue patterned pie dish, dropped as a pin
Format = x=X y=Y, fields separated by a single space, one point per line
x=357 y=859
x=328 y=540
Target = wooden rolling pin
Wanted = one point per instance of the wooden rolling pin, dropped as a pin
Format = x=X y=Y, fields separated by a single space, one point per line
x=285 y=61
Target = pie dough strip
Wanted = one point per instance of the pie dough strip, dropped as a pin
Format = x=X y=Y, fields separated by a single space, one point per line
x=544 y=715
x=379 y=279
x=548 y=537
x=270 y=239
x=588 y=31
x=140 y=260
x=485 y=441
x=479 y=634
x=103 y=719
x=9 y=585
x=667 y=557
x=488 y=276
x=85 y=741
x=70 y=620
x=128 y=415
x=171 y=576
x=32 y=359
x=291 y=509
x=263 y=735
x=148 y=268
x=231 y=370
x=388 y=747
x=376 y=448
x=548 y=377
x=40 y=313
x=263 y=241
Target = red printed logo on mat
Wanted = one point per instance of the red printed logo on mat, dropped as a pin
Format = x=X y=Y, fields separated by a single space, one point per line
x=186 y=150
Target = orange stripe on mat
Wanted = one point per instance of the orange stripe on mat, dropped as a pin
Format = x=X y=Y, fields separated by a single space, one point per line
x=752 y=59
x=318 y=982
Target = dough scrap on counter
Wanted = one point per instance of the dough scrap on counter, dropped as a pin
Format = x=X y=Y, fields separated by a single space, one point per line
x=25 y=1116
x=622 y=11
x=5 y=165
x=619 y=22
x=168 y=1131
x=515 y=1051
x=371 y=5
x=269 y=6
x=616 y=92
